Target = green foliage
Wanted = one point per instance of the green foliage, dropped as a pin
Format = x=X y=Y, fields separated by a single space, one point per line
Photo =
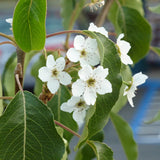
x=86 y=152
x=101 y=150
x=156 y=50
x=63 y=117
x=1 y=101
x=155 y=9
x=104 y=103
x=126 y=136
x=155 y=118
x=29 y=24
x=27 y=131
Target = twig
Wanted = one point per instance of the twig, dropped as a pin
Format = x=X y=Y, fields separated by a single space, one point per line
x=102 y=16
x=7 y=42
x=4 y=97
x=18 y=82
x=8 y=37
x=67 y=129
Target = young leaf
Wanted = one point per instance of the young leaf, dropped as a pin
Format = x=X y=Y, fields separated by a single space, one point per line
x=63 y=117
x=1 y=101
x=155 y=118
x=27 y=131
x=137 y=33
x=29 y=24
x=102 y=151
x=104 y=103
x=155 y=49
x=126 y=136
x=155 y=9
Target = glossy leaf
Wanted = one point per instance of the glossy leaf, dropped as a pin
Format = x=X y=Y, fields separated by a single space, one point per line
x=102 y=151
x=29 y=24
x=126 y=136
x=96 y=121
x=27 y=131
x=1 y=101
x=155 y=118
x=126 y=76
x=155 y=9
x=63 y=117
x=8 y=79
x=86 y=152
x=155 y=49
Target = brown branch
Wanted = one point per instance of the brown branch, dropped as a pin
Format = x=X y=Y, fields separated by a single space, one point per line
x=102 y=16
x=4 y=97
x=8 y=37
x=18 y=82
x=7 y=42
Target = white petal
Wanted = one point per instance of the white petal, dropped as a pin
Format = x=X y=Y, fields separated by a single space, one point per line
x=79 y=116
x=73 y=55
x=120 y=37
x=79 y=42
x=91 y=45
x=90 y=96
x=53 y=85
x=50 y=62
x=9 y=20
x=44 y=74
x=78 y=88
x=124 y=46
x=130 y=95
x=67 y=108
x=85 y=73
x=103 y=87
x=60 y=64
x=139 y=79
x=73 y=101
x=100 y=73
x=92 y=58
x=64 y=78
x=126 y=59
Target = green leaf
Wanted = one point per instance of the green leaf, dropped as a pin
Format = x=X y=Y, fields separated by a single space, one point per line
x=126 y=76
x=117 y=5
x=96 y=120
x=8 y=79
x=29 y=24
x=102 y=151
x=155 y=118
x=86 y=152
x=155 y=49
x=126 y=136
x=63 y=117
x=155 y=9
x=137 y=32
x=1 y=101
x=27 y=131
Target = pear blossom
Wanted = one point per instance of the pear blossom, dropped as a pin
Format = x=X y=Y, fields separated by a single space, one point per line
x=78 y=106
x=10 y=21
x=93 y=27
x=53 y=73
x=91 y=82
x=123 y=48
x=85 y=51
x=129 y=90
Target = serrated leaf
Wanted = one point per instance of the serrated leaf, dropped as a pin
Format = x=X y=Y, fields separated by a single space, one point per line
x=126 y=76
x=29 y=24
x=8 y=79
x=155 y=118
x=137 y=32
x=27 y=131
x=155 y=9
x=117 y=5
x=155 y=49
x=102 y=151
x=104 y=103
x=86 y=152
x=63 y=117
x=126 y=136
x=1 y=101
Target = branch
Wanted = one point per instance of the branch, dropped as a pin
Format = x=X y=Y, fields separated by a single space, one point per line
x=7 y=42
x=8 y=37
x=4 y=97
x=18 y=82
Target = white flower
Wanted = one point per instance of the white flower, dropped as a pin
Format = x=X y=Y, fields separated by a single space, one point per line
x=137 y=80
x=85 y=51
x=78 y=106
x=101 y=30
x=90 y=83
x=53 y=73
x=10 y=21
x=123 y=49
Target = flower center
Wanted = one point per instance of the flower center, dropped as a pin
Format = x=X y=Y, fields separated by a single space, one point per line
x=80 y=104
x=91 y=82
x=118 y=49
x=54 y=72
x=83 y=53
x=130 y=85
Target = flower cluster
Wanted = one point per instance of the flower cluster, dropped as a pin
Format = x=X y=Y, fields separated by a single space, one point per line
x=92 y=77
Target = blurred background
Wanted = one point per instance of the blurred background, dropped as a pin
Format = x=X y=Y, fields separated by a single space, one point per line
x=147 y=101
